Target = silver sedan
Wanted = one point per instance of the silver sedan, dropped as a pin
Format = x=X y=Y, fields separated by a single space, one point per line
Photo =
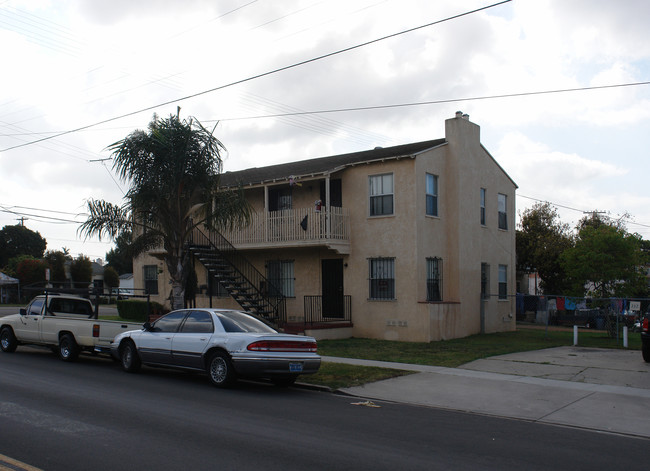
x=226 y=344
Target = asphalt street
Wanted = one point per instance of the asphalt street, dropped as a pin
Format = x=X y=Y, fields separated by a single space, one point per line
x=92 y=415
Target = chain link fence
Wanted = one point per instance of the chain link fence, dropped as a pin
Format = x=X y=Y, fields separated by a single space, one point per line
x=605 y=314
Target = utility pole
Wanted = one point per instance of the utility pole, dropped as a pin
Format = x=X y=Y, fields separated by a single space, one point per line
x=22 y=220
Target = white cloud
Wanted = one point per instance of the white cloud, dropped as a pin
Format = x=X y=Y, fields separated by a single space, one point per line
x=89 y=61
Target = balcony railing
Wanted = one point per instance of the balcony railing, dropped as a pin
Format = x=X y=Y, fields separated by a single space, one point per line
x=303 y=226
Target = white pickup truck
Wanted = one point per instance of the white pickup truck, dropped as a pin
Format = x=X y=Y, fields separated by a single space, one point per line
x=65 y=323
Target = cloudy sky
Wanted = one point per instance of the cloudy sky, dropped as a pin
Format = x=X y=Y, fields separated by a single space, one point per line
x=108 y=65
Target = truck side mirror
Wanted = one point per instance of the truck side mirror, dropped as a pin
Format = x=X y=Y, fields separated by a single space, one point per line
x=147 y=326
x=23 y=311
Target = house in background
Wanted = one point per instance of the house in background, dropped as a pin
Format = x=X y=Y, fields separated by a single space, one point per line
x=126 y=284
x=414 y=242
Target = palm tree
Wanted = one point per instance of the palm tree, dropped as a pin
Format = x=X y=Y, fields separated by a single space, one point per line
x=173 y=174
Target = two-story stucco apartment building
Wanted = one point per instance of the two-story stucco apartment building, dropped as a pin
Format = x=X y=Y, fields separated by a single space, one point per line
x=414 y=242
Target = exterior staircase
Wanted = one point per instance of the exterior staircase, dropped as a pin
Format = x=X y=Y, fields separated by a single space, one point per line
x=238 y=276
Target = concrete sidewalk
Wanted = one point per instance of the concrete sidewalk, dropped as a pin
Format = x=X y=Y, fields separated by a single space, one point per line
x=597 y=389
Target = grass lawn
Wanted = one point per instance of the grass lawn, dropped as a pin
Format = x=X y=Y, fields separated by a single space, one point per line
x=453 y=353
x=448 y=353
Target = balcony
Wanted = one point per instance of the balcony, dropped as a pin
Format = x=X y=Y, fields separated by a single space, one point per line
x=300 y=227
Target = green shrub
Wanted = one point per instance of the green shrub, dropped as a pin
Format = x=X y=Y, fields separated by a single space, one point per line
x=136 y=310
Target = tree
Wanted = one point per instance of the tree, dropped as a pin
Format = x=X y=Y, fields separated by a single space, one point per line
x=173 y=171
x=540 y=242
x=30 y=271
x=18 y=240
x=606 y=257
x=120 y=257
x=57 y=260
x=111 y=278
x=81 y=270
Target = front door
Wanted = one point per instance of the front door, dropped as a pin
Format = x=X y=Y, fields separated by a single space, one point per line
x=332 y=286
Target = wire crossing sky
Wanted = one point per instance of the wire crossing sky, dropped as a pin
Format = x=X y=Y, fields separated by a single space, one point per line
x=559 y=90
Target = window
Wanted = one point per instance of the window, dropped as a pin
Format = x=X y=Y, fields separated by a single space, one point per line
x=215 y=288
x=151 y=279
x=432 y=195
x=35 y=308
x=503 y=215
x=198 y=322
x=434 y=279
x=279 y=199
x=169 y=323
x=483 y=191
x=381 y=195
x=382 y=278
x=485 y=281
x=503 y=281
x=236 y=321
x=280 y=276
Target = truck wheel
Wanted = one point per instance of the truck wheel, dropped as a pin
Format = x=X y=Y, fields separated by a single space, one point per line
x=8 y=340
x=645 y=350
x=68 y=348
x=129 y=357
x=220 y=370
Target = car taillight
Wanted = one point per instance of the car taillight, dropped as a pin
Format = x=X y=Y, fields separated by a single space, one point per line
x=282 y=346
x=95 y=330
x=646 y=325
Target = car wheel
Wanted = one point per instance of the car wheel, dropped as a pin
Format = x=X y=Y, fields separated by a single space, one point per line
x=129 y=356
x=8 y=340
x=220 y=370
x=68 y=348
x=645 y=350
x=284 y=381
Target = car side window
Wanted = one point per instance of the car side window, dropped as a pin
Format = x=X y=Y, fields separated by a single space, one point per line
x=198 y=322
x=35 y=308
x=169 y=323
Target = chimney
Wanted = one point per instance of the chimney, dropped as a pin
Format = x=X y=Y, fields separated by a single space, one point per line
x=466 y=117
x=459 y=114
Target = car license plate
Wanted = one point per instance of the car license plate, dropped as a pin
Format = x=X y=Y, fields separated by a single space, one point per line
x=295 y=367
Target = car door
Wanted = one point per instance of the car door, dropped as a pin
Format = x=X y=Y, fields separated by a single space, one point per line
x=192 y=339
x=155 y=344
x=29 y=329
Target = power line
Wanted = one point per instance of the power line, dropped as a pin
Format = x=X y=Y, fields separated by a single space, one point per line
x=254 y=77
x=434 y=102
x=583 y=211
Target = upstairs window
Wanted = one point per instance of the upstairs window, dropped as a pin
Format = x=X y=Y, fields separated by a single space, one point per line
x=434 y=279
x=432 y=195
x=381 y=194
x=483 y=193
x=503 y=214
x=382 y=278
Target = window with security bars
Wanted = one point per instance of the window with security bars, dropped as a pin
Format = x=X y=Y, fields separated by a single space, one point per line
x=381 y=194
x=503 y=214
x=432 y=195
x=485 y=280
x=382 y=278
x=281 y=278
x=434 y=279
x=503 y=281
x=151 y=279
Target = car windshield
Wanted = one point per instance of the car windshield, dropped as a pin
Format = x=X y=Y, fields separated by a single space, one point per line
x=236 y=321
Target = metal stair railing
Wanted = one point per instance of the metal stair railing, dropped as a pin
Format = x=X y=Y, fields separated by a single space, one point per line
x=238 y=276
